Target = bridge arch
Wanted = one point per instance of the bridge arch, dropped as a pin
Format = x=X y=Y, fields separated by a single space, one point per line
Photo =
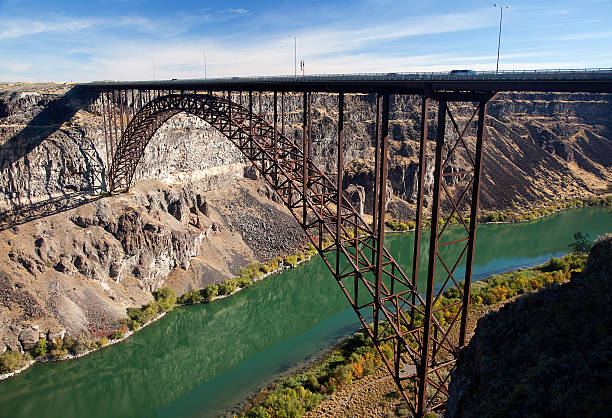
x=227 y=117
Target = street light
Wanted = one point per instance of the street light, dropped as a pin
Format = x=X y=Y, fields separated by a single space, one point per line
x=294 y=53
x=501 y=17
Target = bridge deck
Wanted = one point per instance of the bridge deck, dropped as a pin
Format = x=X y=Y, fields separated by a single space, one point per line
x=591 y=80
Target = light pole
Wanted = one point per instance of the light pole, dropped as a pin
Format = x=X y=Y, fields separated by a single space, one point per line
x=501 y=17
x=204 y=57
x=294 y=53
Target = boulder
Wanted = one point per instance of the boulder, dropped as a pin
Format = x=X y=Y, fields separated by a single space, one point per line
x=28 y=338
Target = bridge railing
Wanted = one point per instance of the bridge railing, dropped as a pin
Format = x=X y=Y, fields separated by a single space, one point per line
x=586 y=74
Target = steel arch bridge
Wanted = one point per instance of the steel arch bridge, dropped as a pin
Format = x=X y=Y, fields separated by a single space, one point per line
x=399 y=316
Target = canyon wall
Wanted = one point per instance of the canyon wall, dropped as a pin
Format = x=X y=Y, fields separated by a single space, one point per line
x=72 y=256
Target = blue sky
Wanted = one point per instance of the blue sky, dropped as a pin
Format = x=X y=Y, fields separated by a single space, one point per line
x=120 y=39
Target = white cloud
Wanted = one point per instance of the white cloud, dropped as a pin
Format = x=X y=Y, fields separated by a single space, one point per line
x=238 y=11
x=582 y=36
x=19 y=28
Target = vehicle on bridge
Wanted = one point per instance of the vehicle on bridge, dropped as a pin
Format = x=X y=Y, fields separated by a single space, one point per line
x=462 y=72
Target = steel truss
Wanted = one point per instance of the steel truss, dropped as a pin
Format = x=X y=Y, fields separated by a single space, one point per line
x=417 y=347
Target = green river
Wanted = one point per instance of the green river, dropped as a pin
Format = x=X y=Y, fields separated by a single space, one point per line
x=200 y=360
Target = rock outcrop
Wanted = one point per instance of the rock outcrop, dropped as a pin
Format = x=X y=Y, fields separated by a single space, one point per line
x=545 y=354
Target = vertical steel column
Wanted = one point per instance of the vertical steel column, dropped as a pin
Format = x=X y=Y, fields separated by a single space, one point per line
x=114 y=113
x=133 y=104
x=433 y=250
x=305 y=154
x=419 y=212
x=480 y=134
x=283 y=113
x=381 y=203
x=275 y=162
x=229 y=111
x=121 y=111
x=105 y=138
x=251 y=119
x=376 y=162
x=340 y=171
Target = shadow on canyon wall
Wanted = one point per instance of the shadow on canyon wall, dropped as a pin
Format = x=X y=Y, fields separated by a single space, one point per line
x=47 y=122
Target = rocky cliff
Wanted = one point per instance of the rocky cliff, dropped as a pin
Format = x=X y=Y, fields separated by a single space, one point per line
x=71 y=257
x=545 y=354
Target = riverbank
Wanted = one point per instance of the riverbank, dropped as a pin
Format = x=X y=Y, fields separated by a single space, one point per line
x=101 y=336
x=203 y=359
x=68 y=347
x=513 y=214
x=352 y=380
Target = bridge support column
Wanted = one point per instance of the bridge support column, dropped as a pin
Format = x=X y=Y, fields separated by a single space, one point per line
x=340 y=171
x=419 y=211
x=380 y=204
x=439 y=350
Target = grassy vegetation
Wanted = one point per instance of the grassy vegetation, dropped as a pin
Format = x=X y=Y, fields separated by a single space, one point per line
x=357 y=357
x=514 y=214
x=246 y=277
x=11 y=361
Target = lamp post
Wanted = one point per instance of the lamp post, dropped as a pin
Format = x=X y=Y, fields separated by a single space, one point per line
x=501 y=17
x=294 y=53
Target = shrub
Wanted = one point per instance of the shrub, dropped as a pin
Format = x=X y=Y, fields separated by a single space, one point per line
x=228 y=287
x=58 y=353
x=165 y=298
x=68 y=343
x=288 y=402
x=41 y=348
x=555 y=264
x=194 y=296
x=243 y=282
x=291 y=260
x=344 y=375
x=82 y=345
x=210 y=292
x=118 y=334
x=10 y=361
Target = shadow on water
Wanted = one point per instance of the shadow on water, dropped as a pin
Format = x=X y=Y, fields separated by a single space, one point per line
x=48 y=121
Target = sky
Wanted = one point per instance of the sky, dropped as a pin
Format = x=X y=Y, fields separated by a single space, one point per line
x=86 y=40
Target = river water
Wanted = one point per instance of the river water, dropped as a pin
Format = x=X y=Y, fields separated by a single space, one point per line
x=200 y=360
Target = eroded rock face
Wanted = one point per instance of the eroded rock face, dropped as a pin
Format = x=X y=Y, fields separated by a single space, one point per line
x=82 y=268
x=541 y=354
x=600 y=256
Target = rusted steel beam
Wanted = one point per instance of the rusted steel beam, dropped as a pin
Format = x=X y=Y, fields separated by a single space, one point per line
x=480 y=136
x=340 y=172
x=376 y=161
x=381 y=175
x=422 y=406
x=276 y=138
x=420 y=192
x=305 y=155
x=108 y=153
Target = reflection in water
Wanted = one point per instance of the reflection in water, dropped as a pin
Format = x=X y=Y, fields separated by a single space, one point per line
x=200 y=359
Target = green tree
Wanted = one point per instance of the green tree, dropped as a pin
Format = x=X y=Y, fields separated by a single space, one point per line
x=580 y=244
x=41 y=348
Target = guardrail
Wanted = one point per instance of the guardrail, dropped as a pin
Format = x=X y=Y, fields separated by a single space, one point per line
x=509 y=75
